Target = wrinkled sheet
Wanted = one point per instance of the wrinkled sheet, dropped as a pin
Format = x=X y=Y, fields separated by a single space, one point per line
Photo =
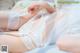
x=48 y=49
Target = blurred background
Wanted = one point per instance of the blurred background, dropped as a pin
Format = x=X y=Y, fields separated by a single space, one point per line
x=8 y=4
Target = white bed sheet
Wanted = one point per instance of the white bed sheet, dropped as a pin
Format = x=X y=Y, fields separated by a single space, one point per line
x=48 y=49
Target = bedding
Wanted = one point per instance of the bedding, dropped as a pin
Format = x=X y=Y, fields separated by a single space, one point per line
x=48 y=49
x=49 y=45
x=70 y=37
x=33 y=34
x=34 y=30
x=60 y=28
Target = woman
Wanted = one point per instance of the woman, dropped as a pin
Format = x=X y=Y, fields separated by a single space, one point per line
x=15 y=44
x=15 y=18
x=70 y=29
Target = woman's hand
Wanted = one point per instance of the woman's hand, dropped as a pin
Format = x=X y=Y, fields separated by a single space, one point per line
x=34 y=8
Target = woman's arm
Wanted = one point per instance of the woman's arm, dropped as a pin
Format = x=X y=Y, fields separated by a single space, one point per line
x=4 y=20
x=69 y=42
x=18 y=23
x=5 y=17
x=49 y=8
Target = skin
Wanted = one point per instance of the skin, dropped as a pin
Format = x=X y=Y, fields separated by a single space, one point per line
x=32 y=10
x=69 y=42
x=15 y=44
